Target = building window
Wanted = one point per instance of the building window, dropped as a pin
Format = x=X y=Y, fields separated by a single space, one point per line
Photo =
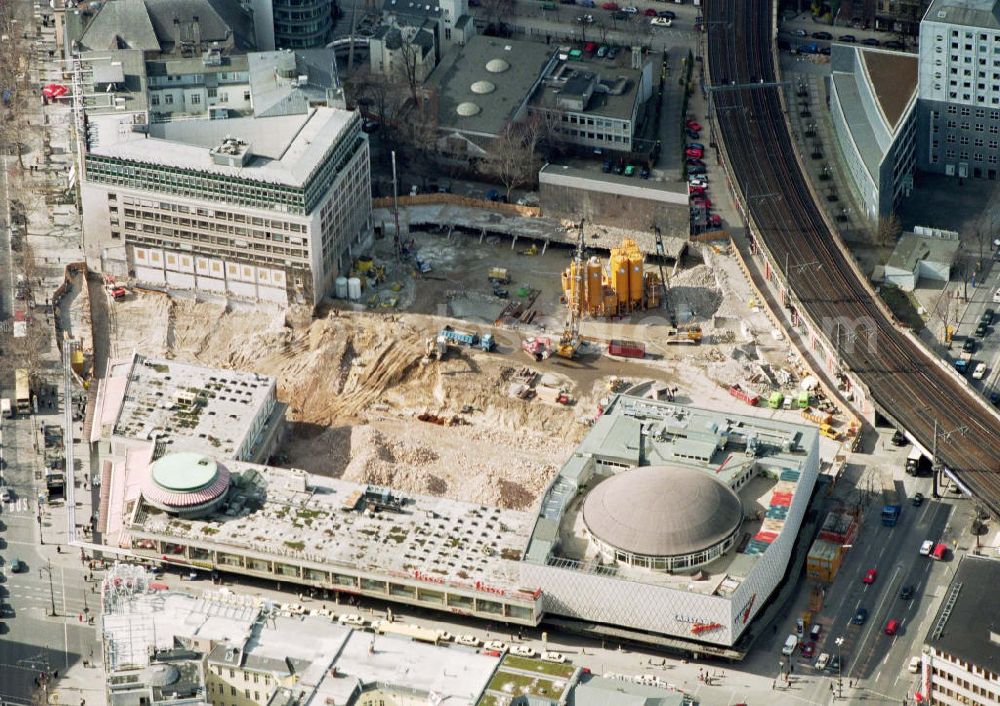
x=154 y=99
x=195 y=99
x=169 y=99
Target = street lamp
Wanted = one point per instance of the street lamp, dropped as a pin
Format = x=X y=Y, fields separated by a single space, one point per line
x=840 y=668
x=52 y=595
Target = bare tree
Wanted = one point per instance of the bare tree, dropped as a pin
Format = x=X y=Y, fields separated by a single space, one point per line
x=942 y=312
x=411 y=66
x=887 y=230
x=512 y=159
x=495 y=11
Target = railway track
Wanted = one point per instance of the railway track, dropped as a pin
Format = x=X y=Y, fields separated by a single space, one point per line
x=900 y=376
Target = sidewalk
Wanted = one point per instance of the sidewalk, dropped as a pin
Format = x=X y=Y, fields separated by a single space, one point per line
x=55 y=235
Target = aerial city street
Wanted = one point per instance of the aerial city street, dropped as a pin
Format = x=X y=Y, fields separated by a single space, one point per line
x=499 y=352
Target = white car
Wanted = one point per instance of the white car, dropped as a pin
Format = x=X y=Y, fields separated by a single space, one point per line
x=630 y=10
x=522 y=651
x=822 y=661
x=697 y=177
x=557 y=657
x=445 y=636
x=661 y=22
x=585 y=19
x=468 y=640
x=926 y=547
x=5 y=494
x=351 y=619
x=996 y=296
x=979 y=372
x=698 y=182
x=495 y=645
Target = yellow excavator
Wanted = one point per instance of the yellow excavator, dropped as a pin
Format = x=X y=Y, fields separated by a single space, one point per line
x=569 y=344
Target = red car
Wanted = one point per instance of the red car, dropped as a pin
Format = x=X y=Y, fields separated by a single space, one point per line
x=692 y=125
x=808 y=648
x=609 y=6
x=715 y=220
x=701 y=202
x=696 y=190
x=590 y=48
x=650 y=12
x=870 y=576
x=891 y=627
x=694 y=153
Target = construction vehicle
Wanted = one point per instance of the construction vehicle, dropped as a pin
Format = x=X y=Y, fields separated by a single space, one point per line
x=891 y=506
x=739 y=393
x=684 y=334
x=484 y=342
x=815 y=415
x=533 y=250
x=537 y=347
x=569 y=343
x=499 y=275
x=829 y=432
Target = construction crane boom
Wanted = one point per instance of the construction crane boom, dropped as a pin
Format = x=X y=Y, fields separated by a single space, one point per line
x=569 y=344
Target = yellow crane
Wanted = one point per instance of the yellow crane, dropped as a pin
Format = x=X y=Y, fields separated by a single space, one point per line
x=569 y=344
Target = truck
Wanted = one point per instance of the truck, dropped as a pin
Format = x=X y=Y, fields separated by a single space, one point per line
x=627 y=349
x=499 y=275
x=891 y=507
x=5 y=408
x=485 y=341
x=22 y=392
x=913 y=462
x=739 y=393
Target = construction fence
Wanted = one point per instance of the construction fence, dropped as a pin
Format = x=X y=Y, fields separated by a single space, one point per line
x=457 y=200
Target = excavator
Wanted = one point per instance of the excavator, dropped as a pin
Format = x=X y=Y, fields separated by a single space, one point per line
x=569 y=344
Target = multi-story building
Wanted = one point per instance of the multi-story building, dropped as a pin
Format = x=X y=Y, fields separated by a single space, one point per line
x=960 y=665
x=292 y=24
x=595 y=104
x=872 y=102
x=900 y=16
x=263 y=208
x=633 y=514
x=958 y=121
x=403 y=53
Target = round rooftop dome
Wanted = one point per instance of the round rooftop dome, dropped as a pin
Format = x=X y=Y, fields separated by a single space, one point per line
x=482 y=87
x=467 y=110
x=186 y=483
x=497 y=66
x=657 y=511
x=160 y=675
x=184 y=472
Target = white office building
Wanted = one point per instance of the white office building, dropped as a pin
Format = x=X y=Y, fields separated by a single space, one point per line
x=266 y=208
x=958 y=131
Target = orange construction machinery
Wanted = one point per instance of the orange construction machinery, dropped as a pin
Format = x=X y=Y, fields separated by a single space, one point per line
x=622 y=288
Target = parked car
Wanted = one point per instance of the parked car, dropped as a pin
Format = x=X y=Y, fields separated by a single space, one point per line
x=692 y=134
x=661 y=22
x=17 y=566
x=695 y=163
x=871 y=42
x=522 y=651
x=996 y=296
x=468 y=640
x=495 y=645
x=702 y=202
x=585 y=19
x=696 y=169
x=692 y=125
x=898 y=439
x=644 y=172
x=666 y=14
x=692 y=152
x=609 y=6
x=926 y=546
x=791 y=642
x=893 y=44
x=697 y=182
x=808 y=649
x=715 y=220
x=557 y=657
x=826 y=36
x=630 y=10
x=982 y=329
x=918 y=500
x=969 y=346
x=590 y=47
x=696 y=145
x=606 y=166
x=979 y=372
x=822 y=661
x=870 y=576
x=612 y=52
x=815 y=631
x=629 y=170
x=602 y=51
x=800 y=33
x=914 y=665
x=860 y=617
x=847 y=38
x=987 y=317
x=649 y=12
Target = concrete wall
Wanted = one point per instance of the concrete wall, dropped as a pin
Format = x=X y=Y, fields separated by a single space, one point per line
x=636 y=206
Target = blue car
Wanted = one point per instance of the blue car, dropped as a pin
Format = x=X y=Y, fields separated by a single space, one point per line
x=812 y=48
x=860 y=617
x=696 y=145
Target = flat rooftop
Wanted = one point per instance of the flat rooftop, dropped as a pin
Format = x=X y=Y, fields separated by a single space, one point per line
x=894 y=81
x=970 y=628
x=184 y=407
x=617 y=84
x=971 y=13
x=636 y=432
x=287 y=512
x=913 y=248
x=285 y=149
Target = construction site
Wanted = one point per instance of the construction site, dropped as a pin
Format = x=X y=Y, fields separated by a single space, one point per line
x=464 y=349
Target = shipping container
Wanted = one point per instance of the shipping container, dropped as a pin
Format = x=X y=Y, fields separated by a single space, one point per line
x=627 y=349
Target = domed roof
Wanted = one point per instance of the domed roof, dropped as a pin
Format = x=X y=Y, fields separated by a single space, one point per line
x=482 y=87
x=662 y=511
x=160 y=675
x=497 y=66
x=467 y=109
x=184 y=472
